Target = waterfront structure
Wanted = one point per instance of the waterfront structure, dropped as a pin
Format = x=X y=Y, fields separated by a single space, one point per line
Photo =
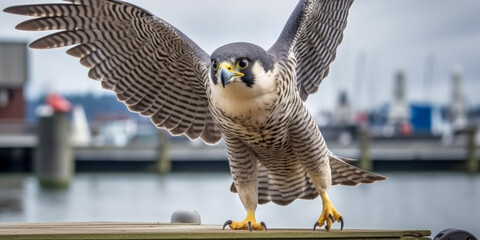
x=399 y=110
x=343 y=115
x=13 y=76
x=457 y=114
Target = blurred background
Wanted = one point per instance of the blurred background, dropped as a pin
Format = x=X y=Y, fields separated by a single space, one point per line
x=402 y=97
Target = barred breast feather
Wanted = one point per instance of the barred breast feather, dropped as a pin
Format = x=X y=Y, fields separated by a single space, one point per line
x=285 y=163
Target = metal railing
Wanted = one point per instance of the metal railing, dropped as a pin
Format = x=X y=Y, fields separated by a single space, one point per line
x=16 y=127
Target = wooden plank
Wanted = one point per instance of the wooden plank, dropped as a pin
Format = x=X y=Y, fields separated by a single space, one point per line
x=112 y=230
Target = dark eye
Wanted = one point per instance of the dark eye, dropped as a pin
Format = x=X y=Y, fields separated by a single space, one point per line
x=242 y=63
x=214 y=65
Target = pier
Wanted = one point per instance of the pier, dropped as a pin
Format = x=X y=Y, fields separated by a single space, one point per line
x=385 y=155
x=115 y=230
x=18 y=141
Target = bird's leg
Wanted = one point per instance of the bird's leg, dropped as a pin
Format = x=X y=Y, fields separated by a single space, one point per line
x=329 y=214
x=243 y=166
x=248 y=193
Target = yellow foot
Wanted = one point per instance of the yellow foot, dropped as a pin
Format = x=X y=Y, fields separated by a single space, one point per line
x=249 y=223
x=245 y=225
x=329 y=215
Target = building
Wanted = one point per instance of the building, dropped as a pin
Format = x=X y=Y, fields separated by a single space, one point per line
x=343 y=115
x=399 y=113
x=457 y=111
x=13 y=76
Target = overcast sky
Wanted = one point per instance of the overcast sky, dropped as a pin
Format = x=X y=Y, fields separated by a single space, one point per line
x=381 y=38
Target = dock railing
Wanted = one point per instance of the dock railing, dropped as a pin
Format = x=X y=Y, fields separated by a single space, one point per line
x=16 y=127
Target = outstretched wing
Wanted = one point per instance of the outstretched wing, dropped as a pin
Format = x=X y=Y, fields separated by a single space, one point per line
x=312 y=34
x=152 y=67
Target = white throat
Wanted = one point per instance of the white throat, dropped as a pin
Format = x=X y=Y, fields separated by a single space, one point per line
x=240 y=101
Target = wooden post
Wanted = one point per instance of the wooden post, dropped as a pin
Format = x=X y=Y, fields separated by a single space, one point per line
x=472 y=160
x=54 y=159
x=164 y=162
x=365 y=158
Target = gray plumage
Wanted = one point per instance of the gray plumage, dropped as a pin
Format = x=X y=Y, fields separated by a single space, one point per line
x=137 y=55
x=158 y=72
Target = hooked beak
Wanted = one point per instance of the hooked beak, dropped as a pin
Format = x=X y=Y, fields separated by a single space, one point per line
x=226 y=74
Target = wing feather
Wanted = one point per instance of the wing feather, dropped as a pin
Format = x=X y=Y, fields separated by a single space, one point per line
x=152 y=67
x=313 y=33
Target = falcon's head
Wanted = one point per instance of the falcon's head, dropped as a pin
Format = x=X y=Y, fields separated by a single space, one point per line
x=240 y=63
x=243 y=79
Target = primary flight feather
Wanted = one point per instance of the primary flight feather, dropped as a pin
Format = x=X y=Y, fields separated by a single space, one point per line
x=251 y=97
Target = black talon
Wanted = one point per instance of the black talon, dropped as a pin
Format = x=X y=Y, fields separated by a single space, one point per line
x=331 y=217
x=250 y=226
x=327 y=228
x=315 y=226
x=228 y=222
x=341 y=223
x=264 y=226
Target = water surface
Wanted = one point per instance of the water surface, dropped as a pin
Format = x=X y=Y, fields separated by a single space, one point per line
x=433 y=201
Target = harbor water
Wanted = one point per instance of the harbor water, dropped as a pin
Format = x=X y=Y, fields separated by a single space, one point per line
x=432 y=201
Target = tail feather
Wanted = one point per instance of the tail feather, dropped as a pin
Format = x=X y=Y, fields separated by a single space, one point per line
x=344 y=173
x=281 y=193
x=285 y=192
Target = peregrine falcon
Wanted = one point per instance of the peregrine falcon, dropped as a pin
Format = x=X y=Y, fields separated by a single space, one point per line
x=251 y=97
